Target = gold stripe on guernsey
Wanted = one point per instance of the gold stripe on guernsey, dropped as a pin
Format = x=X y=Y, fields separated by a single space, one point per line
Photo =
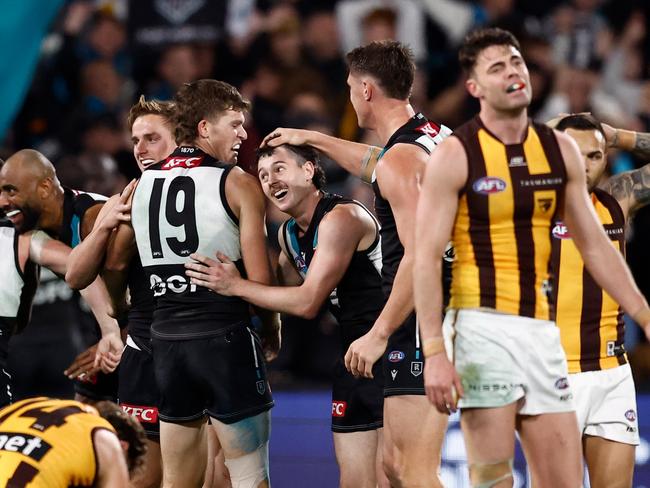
x=466 y=283
x=535 y=155
x=609 y=309
x=545 y=203
x=569 y=301
x=502 y=231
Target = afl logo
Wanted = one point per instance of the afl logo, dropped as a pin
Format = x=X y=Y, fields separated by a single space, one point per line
x=562 y=384
x=396 y=356
x=488 y=185
x=630 y=415
x=560 y=231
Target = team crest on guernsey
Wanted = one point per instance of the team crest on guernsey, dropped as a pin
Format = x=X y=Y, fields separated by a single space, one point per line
x=261 y=387
x=489 y=185
x=630 y=415
x=416 y=368
x=560 y=231
x=301 y=264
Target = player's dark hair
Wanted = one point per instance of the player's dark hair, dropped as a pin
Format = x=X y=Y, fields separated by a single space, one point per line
x=201 y=100
x=478 y=40
x=151 y=107
x=302 y=154
x=580 y=122
x=129 y=430
x=389 y=62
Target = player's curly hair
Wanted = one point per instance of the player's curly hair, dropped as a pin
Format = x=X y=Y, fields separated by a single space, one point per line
x=201 y=100
x=478 y=40
x=151 y=107
x=302 y=154
x=128 y=430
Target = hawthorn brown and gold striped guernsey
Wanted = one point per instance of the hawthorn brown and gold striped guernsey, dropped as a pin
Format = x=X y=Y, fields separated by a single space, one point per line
x=502 y=233
x=590 y=321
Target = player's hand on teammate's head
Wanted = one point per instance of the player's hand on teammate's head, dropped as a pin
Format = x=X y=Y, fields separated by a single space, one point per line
x=219 y=276
x=281 y=135
x=83 y=365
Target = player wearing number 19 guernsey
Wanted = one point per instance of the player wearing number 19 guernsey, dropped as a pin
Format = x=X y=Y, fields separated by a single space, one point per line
x=207 y=358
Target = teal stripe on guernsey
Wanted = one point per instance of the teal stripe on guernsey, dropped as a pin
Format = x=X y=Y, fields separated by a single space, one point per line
x=74 y=225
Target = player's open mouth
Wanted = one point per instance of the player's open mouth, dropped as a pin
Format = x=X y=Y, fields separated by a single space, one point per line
x=12 y=213
x=147 y=162
x=280 y=194
x=517 y=86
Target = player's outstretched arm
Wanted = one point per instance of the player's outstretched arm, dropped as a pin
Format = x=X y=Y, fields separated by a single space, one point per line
x=48 y=252
x=445 y=175
x=339 y=235
x=356 y=158
x=87 y=258
x=601 y=258
x=112 y=470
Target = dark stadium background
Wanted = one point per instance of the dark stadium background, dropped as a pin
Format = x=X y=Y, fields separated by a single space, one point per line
x=71 y=69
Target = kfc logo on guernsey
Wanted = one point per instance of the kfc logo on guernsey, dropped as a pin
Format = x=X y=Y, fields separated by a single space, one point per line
x=177 y=162
x=145 y=415
x=338 y=408
x=560 y=231
x=429 y=129
x=489 y=185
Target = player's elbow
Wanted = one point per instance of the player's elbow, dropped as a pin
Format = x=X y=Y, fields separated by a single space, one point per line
x=76 y=280
x=309 y=308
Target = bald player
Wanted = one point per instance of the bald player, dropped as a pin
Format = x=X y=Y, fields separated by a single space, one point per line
x=33 y=198
x=48 y=443
x=22 y=253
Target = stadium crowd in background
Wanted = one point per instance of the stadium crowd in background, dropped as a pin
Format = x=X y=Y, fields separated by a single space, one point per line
x=287 y=57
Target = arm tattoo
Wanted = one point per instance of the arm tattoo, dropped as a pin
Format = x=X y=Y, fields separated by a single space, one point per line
x=642 y=145
x=631 y=186
x=641 y=185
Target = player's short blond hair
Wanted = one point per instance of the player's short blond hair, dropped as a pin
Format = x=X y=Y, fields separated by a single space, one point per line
x=151 y=107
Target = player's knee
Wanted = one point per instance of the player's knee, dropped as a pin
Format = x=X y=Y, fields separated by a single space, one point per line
x=249 y=470
x=489 y=475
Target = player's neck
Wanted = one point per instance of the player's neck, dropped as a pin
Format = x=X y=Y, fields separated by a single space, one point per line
x=509 y=127
x=51 y=218
x=390 y=115
x=304 y=211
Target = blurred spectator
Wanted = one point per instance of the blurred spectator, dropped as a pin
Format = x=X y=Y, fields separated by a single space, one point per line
x=178 y=64
x=404 y=19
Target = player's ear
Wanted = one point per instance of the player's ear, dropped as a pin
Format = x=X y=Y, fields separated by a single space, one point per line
x=203 y=128
x=473 y=87
x=124 y=445
x=44 y=188
x=368 y=89
x=309 y=169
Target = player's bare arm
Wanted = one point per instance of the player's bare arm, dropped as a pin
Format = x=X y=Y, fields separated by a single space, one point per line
x=630 y=189
x=340 y=234
x=356 y=158
x=603 y=261
x=87 y=258
x=48 y=252
x=112 y=470
x=247 y=201
x=398 y=175
x=445 y=175
x=286 y=271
